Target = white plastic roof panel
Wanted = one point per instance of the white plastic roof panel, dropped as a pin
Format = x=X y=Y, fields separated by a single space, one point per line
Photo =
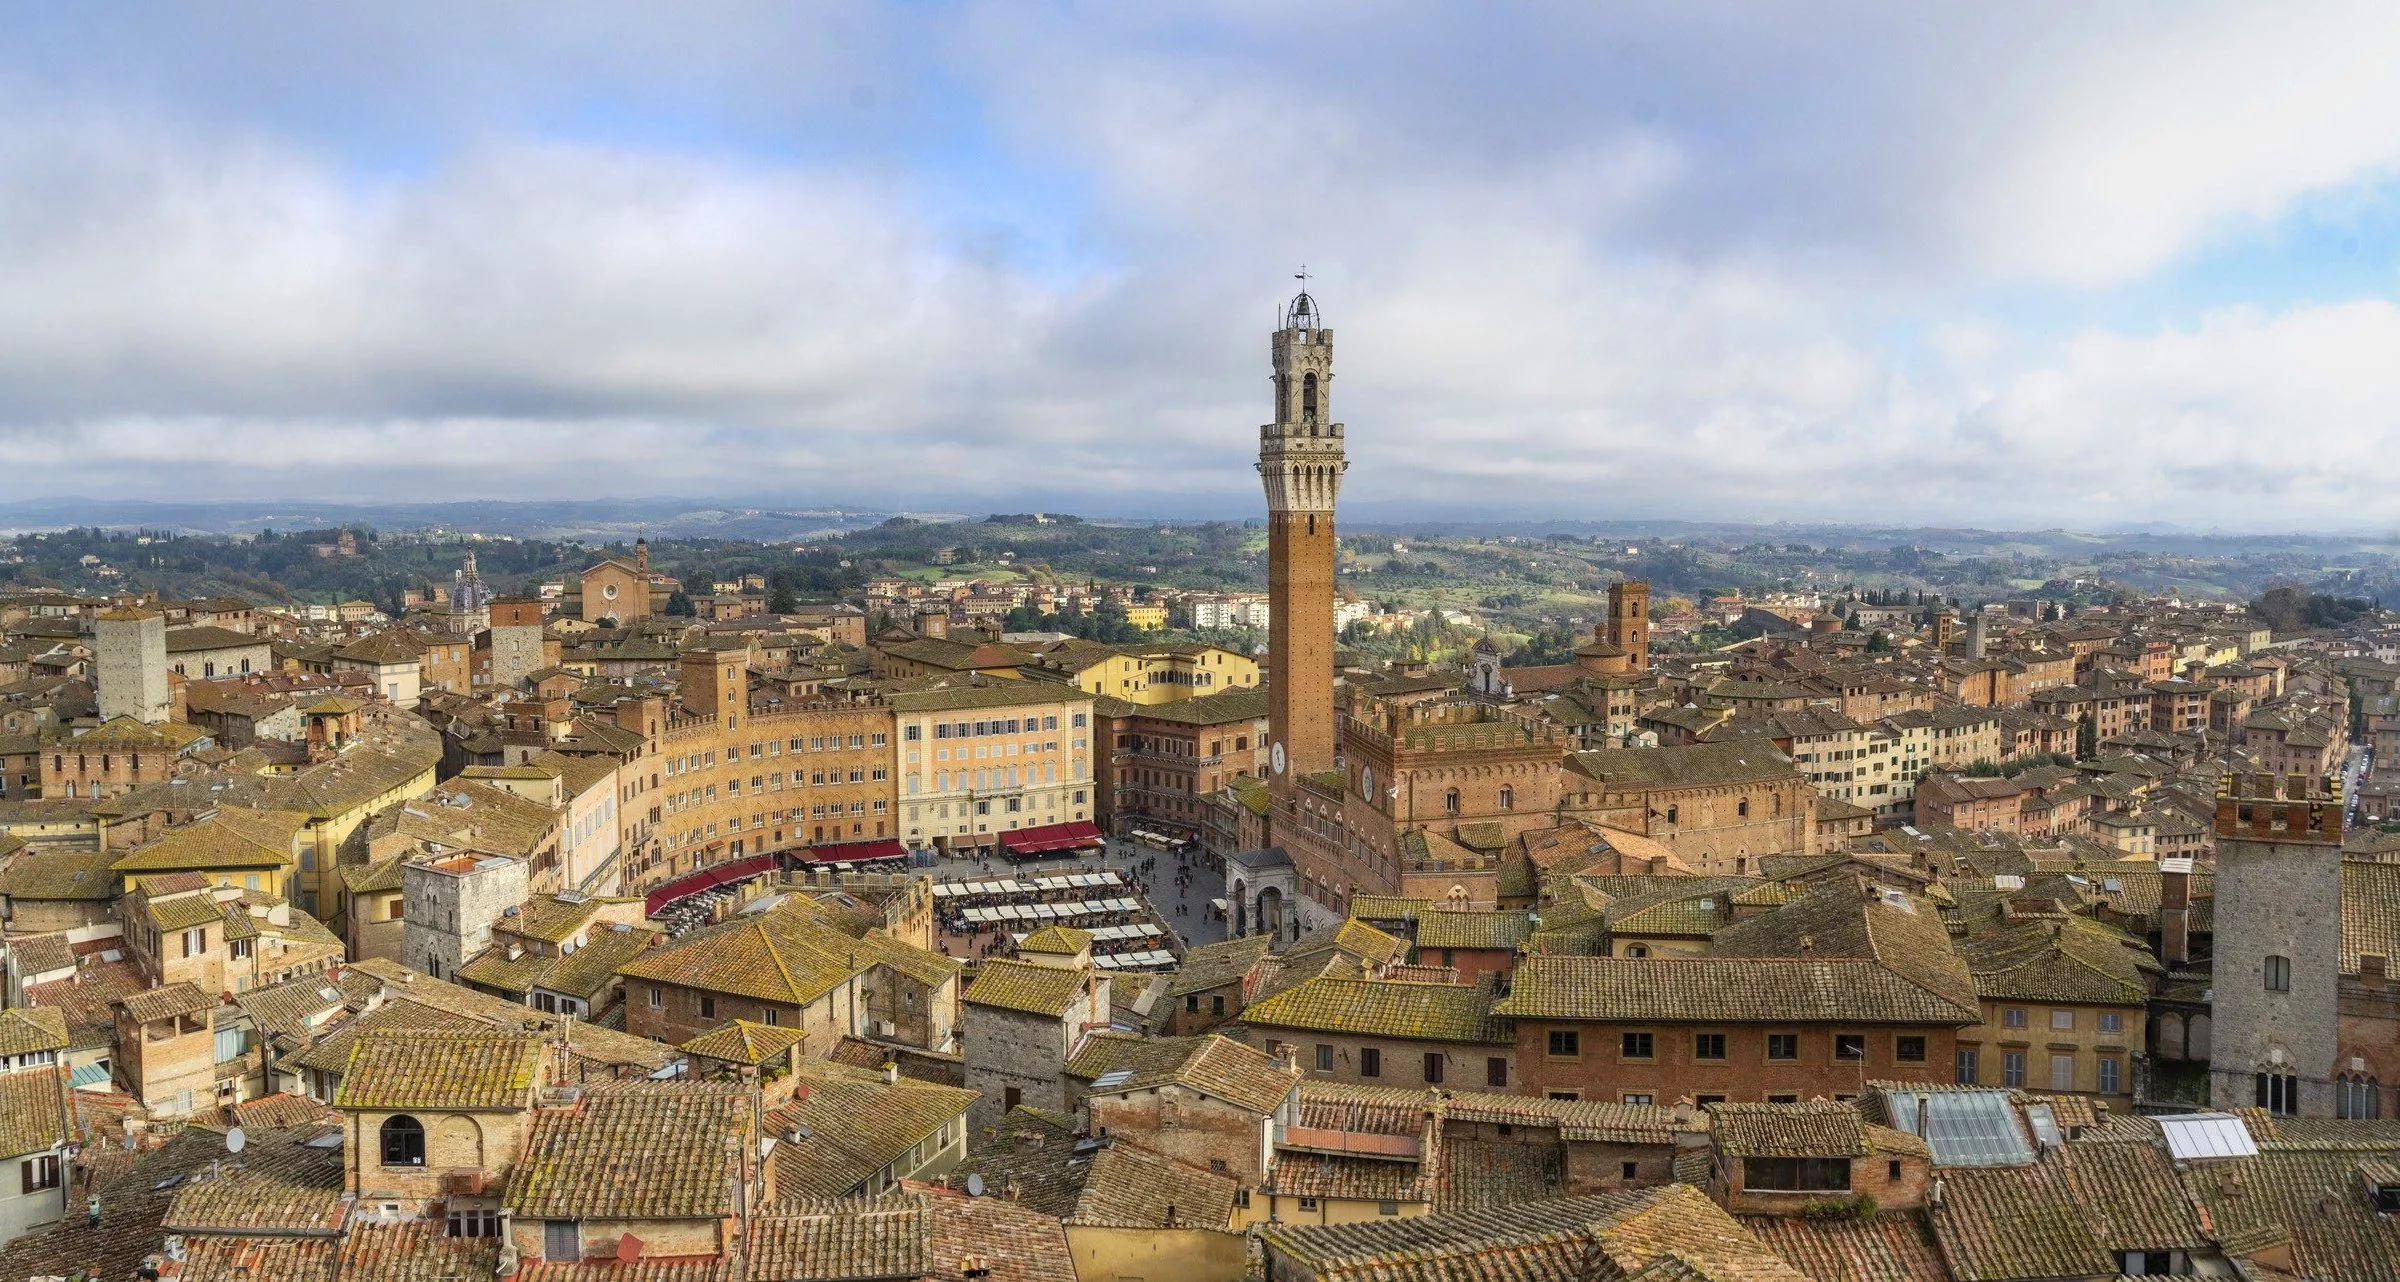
x=1963 y=1127
x=2197 y=1137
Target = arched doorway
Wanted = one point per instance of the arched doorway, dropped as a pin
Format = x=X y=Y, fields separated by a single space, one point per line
x=1270 y=911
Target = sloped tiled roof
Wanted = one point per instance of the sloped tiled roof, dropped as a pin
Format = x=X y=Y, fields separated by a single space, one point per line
x=1430 y=1012
x=635 y=1150
x=167 y=1002
x=440 y=1069
x=1501 y=931
x=1056 y=940
x=279 y=1184
x=1891 y=1247
x=742 y=1042
x=852 y=1125
x=1210 y=1064
x=1638 y=1232
x=1726 y=989
x=787 y=954
x=1025 y=987
x=1131 y=1187
x=27 y=1030
x=61 y=874
x=30 y=1111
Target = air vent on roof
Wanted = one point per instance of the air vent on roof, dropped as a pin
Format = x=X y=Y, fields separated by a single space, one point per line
x=2112 y=885
x=2008 y=881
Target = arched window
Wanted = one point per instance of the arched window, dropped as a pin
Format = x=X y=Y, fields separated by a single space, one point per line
x=1450 y=801
x=1457 y=894
x=2356 y=1097
x=1508 y=797
x=1308 y=398
x=1741 y=809
x=403 y=1141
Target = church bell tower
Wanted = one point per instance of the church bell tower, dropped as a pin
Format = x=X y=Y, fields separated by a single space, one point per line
x=1301 y=463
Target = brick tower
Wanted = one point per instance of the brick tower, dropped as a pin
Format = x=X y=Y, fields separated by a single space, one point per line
x=1300 y=460
x=1629 y=622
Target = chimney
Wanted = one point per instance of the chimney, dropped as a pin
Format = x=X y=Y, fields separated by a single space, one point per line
x=2175 y=911
x=2372 y=967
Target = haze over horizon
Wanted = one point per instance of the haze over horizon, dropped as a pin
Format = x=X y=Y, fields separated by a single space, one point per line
x=2048 y=267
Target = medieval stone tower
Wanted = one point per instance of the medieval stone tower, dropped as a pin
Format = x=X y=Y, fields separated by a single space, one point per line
x=2278 y=970
x=129 y=647
x=1300 y=460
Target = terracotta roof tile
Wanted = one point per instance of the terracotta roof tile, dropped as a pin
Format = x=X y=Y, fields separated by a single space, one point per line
x=635 y=1150
x=1432 y=1012
x=478 y=1069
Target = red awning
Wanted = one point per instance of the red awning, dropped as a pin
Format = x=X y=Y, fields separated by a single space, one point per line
x=1050 y=837
x=699 y=879
x=851 y=852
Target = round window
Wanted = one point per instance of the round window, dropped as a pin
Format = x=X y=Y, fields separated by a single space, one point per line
x=609 y=591
x=1275 y=757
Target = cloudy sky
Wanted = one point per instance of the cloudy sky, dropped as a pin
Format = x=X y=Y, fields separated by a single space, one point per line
x=1988 y=265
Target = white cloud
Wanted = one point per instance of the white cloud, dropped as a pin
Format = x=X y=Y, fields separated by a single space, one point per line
x=1692 y=261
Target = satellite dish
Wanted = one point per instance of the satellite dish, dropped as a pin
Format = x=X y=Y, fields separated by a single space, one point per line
x=235 y=1140
x=974 y=1186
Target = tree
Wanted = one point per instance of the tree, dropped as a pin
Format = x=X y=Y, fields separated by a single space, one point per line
x=782 y=600
x=679 y=605
x=1879 y=643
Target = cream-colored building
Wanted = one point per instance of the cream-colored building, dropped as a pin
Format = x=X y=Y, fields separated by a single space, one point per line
x=978 y=762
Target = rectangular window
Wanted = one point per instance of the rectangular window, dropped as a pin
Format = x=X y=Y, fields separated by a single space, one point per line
x=2012 y=1068
x=1433 y=1068
x=2111 y=1076
x=1796 y=1174
x=2013 y=1017
x=1634 y=1046
x=39 y=1172
x=561 y=1240
x=2062 y=1021
x=1967 y=1074
x=1370 y=1062
x=1638 y=1097
x=1849 y=1045
x=474 y=1223
x=1708 y=1046
x=1909 y=1050
x=1565 y=1043
x=656 y=1001
x=708 y=1008
x=1324 y=1058
x=2279 y=974
x=1783 y=1046
x=2062 y=1072
x=1495 y=1072
x=2111 y=1022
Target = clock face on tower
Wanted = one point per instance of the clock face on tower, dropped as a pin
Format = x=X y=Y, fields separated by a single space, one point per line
x=1275 y=758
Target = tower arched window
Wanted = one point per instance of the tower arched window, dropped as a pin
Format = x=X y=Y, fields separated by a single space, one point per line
x=1308 y=398
x=1508 y=797
x=1450 y=801
x=1741 y=809
x=403 y=1141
